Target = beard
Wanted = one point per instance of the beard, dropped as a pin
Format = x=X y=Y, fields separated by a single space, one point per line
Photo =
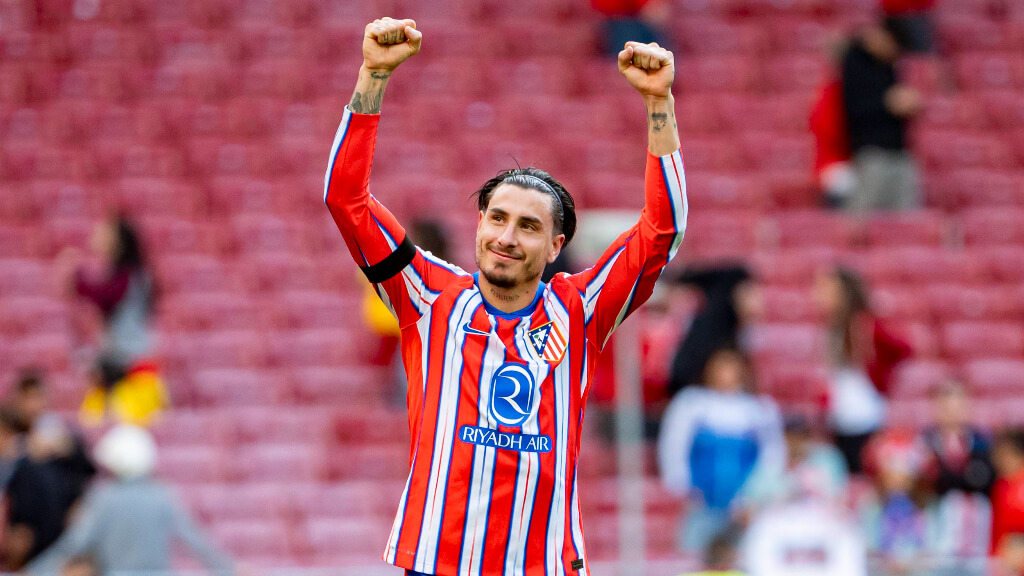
x=502 y=276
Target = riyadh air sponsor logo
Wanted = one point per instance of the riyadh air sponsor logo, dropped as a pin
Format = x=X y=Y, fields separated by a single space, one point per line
x=505 y=440
x=512 y=390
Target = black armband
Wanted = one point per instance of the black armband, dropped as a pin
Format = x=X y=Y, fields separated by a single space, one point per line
x=393 y=265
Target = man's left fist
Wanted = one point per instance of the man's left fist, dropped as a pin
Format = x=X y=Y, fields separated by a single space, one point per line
x=648 y=67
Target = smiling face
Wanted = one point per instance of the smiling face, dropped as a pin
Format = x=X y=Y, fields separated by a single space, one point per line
x=515 y=237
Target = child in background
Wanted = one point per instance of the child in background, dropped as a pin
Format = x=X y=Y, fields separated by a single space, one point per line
x=712 y=438
x=898 y=524
x=721 y=555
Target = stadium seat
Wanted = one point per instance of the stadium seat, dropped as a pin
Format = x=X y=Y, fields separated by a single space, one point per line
x=194 y=274
x=900 y=303
x=994 y=226
x=996 y=377
x=369 y=499
x=964 y=340
x=787 y=341
x=209 y=311
x=250 y=537
x=788 y=305
x=813 y=228
x=920 y=228
x=950 y=302
x=236 y=388
x=256 y=502
x=188 y=465
x=24 y=277
x=357 y=385
x=281 y=423
x=379 y=461
x=335 y=540
x=182 y=427
x=916 y=379
x=279 y=463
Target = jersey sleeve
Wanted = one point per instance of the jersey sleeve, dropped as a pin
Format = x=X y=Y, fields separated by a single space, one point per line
x=624 y=277
x=370 y=231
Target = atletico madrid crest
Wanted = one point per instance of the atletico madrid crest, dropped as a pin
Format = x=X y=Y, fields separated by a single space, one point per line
x=549 y=342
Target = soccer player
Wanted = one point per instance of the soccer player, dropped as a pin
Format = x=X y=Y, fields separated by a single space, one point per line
x=499 y=363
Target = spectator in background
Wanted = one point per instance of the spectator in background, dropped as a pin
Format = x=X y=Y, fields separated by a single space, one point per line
x=1008 y=490
x=35 y=516
x=960 y=472
x=129 y=385
x=911 y=18
x=722 y=556
x=712 y=439
x=1009 y=559
x=862 y=353
x=731 y=302
x=50 y=441
x=899 y=524
x=878 y=109
x=815 y=472
x=832 y=168
x=632 y=20
x=129 y=525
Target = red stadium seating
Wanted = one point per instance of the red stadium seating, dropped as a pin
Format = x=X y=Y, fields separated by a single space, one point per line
x=210 y=122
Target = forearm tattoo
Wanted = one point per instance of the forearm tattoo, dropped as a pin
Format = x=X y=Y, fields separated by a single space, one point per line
x=368 y=102
x=657 y=121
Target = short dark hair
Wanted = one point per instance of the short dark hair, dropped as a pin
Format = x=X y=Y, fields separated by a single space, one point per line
x=12 y=421
x=563 y=210
x=1013 y=438
x=29 y=380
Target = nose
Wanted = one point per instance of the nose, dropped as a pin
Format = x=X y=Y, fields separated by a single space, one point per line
x=508 y=236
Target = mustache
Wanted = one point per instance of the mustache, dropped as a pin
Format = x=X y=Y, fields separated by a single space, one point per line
x=509 y=253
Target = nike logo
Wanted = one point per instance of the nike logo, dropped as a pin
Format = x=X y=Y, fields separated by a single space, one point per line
x=471 y=330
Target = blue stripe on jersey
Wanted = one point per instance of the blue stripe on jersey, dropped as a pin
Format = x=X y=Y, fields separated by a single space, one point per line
x=668 y=190
x=437 y=418
x=455 y=425
x=469 y=495
x=345 y=119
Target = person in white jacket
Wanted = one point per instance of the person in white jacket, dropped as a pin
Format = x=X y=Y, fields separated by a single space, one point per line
x=712 y=438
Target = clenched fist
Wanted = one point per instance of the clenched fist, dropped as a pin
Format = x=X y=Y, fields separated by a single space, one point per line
x=388 y=42
x=648 y=67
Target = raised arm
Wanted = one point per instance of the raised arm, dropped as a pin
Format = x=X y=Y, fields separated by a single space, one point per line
x=650 y=69
x=624 y=277
x=405 y=278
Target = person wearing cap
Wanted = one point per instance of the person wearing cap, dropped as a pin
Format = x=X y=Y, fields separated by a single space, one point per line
x=129 y=524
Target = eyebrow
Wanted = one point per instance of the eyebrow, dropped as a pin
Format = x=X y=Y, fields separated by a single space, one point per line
x=531 y=219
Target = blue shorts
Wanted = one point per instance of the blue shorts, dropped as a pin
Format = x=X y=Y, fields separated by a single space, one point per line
x=411 y=573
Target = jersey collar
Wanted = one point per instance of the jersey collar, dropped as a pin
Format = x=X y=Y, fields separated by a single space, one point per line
x=521 y=313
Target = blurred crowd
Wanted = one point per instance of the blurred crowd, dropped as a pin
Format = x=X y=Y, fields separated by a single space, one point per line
x=941 y=500
x=835 y=487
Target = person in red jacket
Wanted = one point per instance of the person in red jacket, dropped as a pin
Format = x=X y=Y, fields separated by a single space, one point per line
x=863 y=352
x=1008 y=491
x=832 y=168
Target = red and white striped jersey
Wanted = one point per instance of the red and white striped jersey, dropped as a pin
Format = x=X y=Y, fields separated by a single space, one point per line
x=496 y=400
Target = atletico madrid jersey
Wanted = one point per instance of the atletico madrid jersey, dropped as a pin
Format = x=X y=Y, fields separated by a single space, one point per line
x=496 y=400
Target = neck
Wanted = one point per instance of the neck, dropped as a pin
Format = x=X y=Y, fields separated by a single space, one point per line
x=508 y=299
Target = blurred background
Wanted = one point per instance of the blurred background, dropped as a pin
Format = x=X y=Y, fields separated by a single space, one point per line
x=831 y=372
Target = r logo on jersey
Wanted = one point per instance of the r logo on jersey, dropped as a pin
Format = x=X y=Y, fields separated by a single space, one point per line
x=548 y=341
x=512 y=394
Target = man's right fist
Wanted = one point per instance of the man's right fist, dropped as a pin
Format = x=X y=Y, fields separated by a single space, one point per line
x=388 y=42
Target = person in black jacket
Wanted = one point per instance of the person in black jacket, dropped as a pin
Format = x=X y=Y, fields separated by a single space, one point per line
x=878 y=109
x=33 y=495
x=960 y=453
x=730 y=300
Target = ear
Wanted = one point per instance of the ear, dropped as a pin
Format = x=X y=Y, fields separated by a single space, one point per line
x=556 y=247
